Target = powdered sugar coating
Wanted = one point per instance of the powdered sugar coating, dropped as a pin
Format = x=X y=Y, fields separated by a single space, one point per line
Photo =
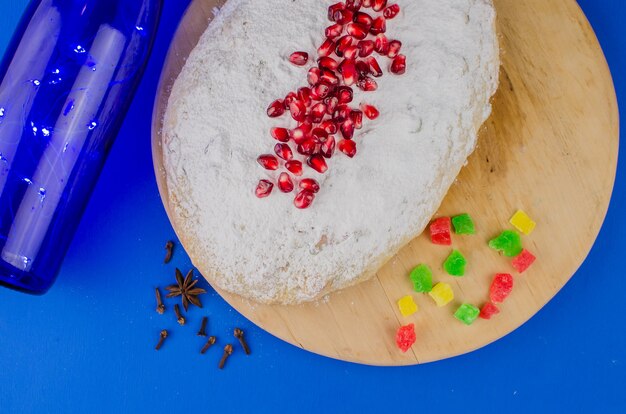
x=215 y=126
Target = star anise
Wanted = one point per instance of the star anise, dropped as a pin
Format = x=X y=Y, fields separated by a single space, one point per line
x=185 y=288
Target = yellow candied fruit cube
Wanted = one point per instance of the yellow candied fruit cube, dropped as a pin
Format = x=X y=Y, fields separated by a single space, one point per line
x=407 y=306
x=442 y=294
x=522 y=222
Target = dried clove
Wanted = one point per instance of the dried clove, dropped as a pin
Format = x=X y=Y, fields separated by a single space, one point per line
x=169 y=248
x=202 y=331
x=239 y=335
x=179 y=316
x=161 y=339
x=160 y=306
x=208 y=344
x=228 y=350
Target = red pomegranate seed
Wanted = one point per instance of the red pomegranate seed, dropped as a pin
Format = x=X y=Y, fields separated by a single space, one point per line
x=298 y=135
x=378 y=5
x=276 y=109
x=318 y=163
x=356 y=30
x=357 y=117
x=327 y=63
x=342 y=113
x=299 y=58
x=326 y=48
x=398 y=66
x=294 y=167
x=379 y=26
x=283 y=151
x=314 y=76
x=289 y=99
x=309 y=184
x=347 y=128
x=370 y=111
x=320 y=91
x=348 y=72
x=344 y=16
x=305 y=127
x=298 y=111
x=354 y=5
x=367 y=84
x=342 y=44
x=331 y=104
x=351 y=52
x=307 y=147
x=362 y=68
x=366 y=47
x=344 y=94
x=329 y=77
x=304 y=95
x=280 y=134
x=348 y=147
x=317 y=112
x=268 y=161
x=368 y=3
x=364 y=20
x=329 y=126
x=320 y=134
x=304 y=199
x=334 y=9
x=375 y=69
x=382 y=44
x=285 y=184
x=394 y=48
x=264 y=188
x=334 y=31
x=328 y=148
x=391 y=11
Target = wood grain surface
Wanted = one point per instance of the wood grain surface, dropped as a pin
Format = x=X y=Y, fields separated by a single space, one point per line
x=550 y=148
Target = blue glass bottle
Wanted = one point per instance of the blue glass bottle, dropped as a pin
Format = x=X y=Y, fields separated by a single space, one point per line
x=66 y=82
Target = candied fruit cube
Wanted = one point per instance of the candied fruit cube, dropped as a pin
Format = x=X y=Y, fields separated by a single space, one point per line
x=467 y=313
x=442 y=294
x=501 y=287
x=405 y=337
x=523 y=261
x=508 y=242
x=463 y=224
x=455 y=264
x=422 y=278
x=407 y=306
x=488 y=310
x=523 y=222
x=440 y=231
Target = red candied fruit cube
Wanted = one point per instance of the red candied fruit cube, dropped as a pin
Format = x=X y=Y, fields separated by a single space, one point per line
x=440 y=231
x=523 y=261
x=405 y=337
x=488 y=310
x=501 y=287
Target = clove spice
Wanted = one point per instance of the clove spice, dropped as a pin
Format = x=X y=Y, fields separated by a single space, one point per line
x=160 y=306
x=161 y=339
x=208 y=344
x=179 y=316
x=238 y=333
x=202 y=331
x=169 y=248
x=228 y=350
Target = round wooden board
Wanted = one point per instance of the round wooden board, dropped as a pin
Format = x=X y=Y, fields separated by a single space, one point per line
x=550 y=148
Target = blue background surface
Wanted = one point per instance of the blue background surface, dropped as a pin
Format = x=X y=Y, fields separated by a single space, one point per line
x=87 y=346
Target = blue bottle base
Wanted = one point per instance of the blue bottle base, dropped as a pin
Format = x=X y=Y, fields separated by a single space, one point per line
x=25 y=282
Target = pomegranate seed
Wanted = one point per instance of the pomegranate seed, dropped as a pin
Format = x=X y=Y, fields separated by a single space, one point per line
x=317 y=112
x=264 y=188
x=268 y=161
x=320 y=134
x=305 y=127
x=327 y=63
x=367 y=3
x=320 y=91
x=379 y=26
x=356 y=30
x=329 y=126
x=366 y=47
x=313 y=76
x=318 y=163
x=348 y=72
x=309 y=184
x=280 y=134
x=398 y=66
x=276 y=109
x=344 y=16
x=357 y=117
x=304 y=95
x=370 y=111
x=307 y=147
x=391 y=11
x=289 y=99
x=294 y=167
x=304 y=199
x=347 y=129
x=334 y=31
x=298 y=135
x=334 y=9
x=342 y=113
x=283 y=151
x=394 y=48
x=299 y=58
x=351 y=53
x=375 y=69
x=342 y=44
x=354 y=5
x=348 y=147
x=329 y=77
x=362 y=68
x=328 y=148
x=331 y=104
x=382 y=44
x=367 y=84
x=364 y=20
x=298 y=111
x=344 y=94
x=326 y=48
x=378 y=5
x=285 y=184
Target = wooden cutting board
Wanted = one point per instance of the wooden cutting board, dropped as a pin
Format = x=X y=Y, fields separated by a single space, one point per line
x=550 y=148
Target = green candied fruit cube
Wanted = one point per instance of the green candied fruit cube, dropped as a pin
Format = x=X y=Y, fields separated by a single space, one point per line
x=463 y=224
x=467 y=313
x=508 y=242
x=422 y=278
x=455 y=264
